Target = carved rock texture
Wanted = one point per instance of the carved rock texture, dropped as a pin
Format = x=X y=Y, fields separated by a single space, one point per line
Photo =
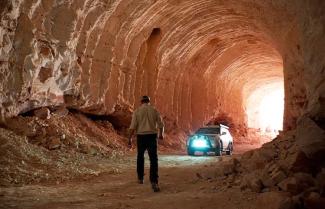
x=195 y=58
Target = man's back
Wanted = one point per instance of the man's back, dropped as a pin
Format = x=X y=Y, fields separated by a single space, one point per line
x=146 y=119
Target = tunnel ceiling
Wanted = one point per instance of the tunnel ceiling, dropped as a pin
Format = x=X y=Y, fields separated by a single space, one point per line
x=195 y=58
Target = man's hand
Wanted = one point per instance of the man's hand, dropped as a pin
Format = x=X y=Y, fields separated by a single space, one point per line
x=131 y=132
x=161 y=133
x=130 y=143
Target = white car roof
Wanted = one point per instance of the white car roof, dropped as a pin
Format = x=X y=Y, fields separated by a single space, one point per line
x=216 y=126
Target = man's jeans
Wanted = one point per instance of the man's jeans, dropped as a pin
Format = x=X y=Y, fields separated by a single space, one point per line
x=147 y=142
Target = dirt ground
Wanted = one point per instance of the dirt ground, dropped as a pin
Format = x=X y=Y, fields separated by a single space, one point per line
x=72 y=161
x=182 y=186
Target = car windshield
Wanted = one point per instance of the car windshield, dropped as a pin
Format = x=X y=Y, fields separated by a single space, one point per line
x=208 y=130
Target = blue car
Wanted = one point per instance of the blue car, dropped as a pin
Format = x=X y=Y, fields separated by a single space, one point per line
x=210 y=139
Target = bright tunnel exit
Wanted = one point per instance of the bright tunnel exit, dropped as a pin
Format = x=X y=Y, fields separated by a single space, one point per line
x=271 y=111
x=264 y=108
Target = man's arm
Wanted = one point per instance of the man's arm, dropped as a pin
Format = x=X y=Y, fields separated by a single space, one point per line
x=161 y=133
x=132 y=129
x=160 y=126
x=131 y=133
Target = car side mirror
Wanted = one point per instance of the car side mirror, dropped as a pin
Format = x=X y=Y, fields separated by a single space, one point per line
x=223 y=133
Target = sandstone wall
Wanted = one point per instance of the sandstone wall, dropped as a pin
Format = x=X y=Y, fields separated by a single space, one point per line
x=196 y=59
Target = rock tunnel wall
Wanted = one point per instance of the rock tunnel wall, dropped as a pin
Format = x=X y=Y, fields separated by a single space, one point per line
x=197 y=59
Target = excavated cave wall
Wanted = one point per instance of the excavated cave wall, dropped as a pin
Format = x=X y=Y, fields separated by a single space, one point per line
x=197 y=59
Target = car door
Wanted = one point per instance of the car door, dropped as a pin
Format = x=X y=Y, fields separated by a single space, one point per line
x=230 y=139
x=225 y=138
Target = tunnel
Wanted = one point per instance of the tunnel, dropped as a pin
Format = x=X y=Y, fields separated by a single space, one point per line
x=256 y=66
x=197 y=60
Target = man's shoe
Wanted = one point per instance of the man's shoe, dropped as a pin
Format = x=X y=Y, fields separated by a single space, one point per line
x=140 y=181
x=155 y=187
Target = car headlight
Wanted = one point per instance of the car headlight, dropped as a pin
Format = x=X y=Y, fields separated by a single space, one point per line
x=200 y=142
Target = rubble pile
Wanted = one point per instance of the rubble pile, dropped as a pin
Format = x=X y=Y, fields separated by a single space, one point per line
x=55 y=144
x=286 y=173
x=24 y=163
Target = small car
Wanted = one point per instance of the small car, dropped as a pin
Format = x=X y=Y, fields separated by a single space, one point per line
x=213 y=138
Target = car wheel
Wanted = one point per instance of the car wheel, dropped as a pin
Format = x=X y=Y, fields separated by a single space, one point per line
x=229 y=150
x=190 y=152
x=219 y=149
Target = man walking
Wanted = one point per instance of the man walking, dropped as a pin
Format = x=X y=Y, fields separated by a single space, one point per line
x=147 y=124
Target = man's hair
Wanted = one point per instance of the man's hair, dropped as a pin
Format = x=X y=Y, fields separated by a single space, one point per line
x=145 y=99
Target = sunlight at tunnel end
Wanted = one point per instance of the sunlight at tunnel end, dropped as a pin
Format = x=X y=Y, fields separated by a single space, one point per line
x=271 y=111
x=265 y=107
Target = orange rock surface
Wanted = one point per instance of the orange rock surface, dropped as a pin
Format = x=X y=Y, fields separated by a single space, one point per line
x=196 y=59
